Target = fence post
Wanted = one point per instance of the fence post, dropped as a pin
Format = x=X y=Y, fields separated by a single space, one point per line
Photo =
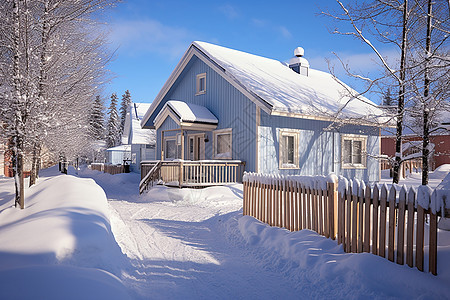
x=332 y=208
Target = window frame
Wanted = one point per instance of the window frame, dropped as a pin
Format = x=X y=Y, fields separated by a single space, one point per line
x=199 y=78
x=354 y=138
x=216 y=133
x=174 y=139
x=282 y=150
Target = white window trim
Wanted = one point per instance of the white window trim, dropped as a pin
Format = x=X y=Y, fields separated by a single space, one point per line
x=354 y=137
x=197 y=89
x=296 y=134
x=222 y=132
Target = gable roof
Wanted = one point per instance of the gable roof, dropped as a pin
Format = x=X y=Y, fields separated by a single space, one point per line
x=186 y=115
x=188 y=112
x=132 y=132
x=276 y=89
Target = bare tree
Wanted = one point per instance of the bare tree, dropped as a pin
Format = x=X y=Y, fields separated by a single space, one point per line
x=393 y=22
x=52 y=65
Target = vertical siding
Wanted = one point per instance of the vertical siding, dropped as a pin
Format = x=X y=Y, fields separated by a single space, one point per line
x=230 y=106
x=319 y=147
x=168 y=124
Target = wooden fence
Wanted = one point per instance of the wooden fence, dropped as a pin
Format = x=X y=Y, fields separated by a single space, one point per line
x=111 y=169
x=411 y=166
x=364 y=219
x=293 y=202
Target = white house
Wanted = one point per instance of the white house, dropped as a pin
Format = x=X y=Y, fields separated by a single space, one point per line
x=141 y=142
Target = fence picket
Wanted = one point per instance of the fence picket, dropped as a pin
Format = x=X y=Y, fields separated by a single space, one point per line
x=354 y=221
x=433 y=244
x=366 y=245
x=308 y=209
x=320 y=211
x=383 y=199
x=420 y=237
x=348 y=196
x=375 y=220
x=392 y=221
x=341 y=221
x=410 y=229
x=401 y=227
x=304 y=205
x=360 y=219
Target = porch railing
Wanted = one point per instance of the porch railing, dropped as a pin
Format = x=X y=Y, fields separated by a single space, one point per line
x=196 y=173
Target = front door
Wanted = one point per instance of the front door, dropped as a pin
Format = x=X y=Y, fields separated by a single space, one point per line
x=196 y=146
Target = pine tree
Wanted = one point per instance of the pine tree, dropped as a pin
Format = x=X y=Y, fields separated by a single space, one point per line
x=388 y=100
x=124 y=107
x=113 y=129
x=97 y=120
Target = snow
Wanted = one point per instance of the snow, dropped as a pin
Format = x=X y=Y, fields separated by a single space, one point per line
x=318 y=94
x=133 y=133
x=120 y=148
x=61 y=245
x=179 y=244
x=188 y=112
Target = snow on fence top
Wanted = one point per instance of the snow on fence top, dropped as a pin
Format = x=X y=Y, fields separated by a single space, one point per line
x=437 y=200
x=312 y=182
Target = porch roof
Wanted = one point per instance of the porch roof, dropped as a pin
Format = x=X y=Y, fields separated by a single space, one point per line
x=185 y=114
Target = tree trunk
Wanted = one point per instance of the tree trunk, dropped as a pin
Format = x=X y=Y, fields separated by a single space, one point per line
x=18 y=128
x=34 y=164
x=401 y=100
x=426 y=94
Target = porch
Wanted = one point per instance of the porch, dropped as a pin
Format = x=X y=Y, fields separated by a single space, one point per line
x=181 y=173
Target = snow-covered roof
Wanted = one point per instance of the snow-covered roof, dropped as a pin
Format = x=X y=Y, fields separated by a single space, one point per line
x=276 y=88
x=319 y=93
x=188 y=112
x=133 y=133
x=120 y=148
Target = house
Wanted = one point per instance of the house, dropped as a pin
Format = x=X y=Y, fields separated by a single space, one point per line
x=224 y=104
x=118 y=155
x=412 y=142
x=137 y=142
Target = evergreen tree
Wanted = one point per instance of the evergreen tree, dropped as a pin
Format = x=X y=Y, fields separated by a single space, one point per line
x=113 y=129
x=97 y=120
x=124 y=107
x=388 y=100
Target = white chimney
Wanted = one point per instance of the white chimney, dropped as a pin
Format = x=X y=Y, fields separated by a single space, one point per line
x=298 y=63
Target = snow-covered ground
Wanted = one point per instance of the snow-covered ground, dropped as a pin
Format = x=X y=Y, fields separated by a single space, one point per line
x=179 y=244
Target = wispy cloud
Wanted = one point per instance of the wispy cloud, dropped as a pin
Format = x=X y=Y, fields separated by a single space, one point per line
x=284 y=32
x=135 y=37
x=267 y=25
x=229 y=11
x=258 y=22
x=358 y=62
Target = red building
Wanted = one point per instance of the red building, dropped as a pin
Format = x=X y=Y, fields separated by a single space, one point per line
x=439 y=156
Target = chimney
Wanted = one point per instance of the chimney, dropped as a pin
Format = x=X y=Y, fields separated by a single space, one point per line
x=298 y=63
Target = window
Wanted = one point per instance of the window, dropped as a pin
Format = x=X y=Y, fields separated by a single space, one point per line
x=289 y=149
x=170 y=148
x=222 y=143
x=353 y=151
x=201 y=84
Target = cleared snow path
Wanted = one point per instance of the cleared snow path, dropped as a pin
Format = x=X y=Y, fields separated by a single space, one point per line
x=195 y=244
x=186 y=244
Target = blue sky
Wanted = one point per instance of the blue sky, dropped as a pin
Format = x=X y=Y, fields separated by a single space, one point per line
x=151 y=36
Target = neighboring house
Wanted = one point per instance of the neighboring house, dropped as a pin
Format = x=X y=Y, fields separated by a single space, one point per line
x=224 y=104
x=118 y=155
x=412 y=143
x=141 y=142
